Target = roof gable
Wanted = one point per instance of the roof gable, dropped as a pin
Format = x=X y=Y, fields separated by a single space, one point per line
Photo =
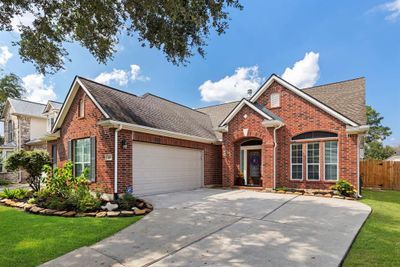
x=24 y=107
x=268 y=115
x=305 y=96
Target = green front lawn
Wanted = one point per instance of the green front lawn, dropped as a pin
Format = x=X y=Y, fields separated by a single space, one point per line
x=29 y=240
x=378 y=243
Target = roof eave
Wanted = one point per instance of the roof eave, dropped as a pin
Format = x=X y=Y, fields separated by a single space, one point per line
x=155 y=131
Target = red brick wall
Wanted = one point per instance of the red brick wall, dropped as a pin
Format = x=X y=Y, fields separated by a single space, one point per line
x=76 y=128
x=235 y=136
x=299 y=116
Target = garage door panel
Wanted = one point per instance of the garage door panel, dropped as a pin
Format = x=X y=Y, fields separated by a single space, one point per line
x=159 y=168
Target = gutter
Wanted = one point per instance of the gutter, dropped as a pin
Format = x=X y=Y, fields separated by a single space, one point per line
x=275 y=146
x=362 y=129
x=116 y=161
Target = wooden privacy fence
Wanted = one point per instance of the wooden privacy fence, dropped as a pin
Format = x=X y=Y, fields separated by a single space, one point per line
x=379 y=173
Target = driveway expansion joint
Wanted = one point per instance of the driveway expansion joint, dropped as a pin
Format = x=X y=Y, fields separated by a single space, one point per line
x=277 y=208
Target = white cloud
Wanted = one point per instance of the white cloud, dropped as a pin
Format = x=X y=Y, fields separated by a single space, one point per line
x=118 y=76
x=26 y=20
x=136 y=75
x=36 y=89
x=392 y=7
x=5 y=55
x=121 y=77
x=232 y=87
x=305 y=72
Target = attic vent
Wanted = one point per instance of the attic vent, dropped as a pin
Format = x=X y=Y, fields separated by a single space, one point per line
x=275 y=100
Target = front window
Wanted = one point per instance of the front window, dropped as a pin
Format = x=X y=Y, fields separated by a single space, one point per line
x=81 y=155
x=297 y=162
x=10 y=131
x=313 y=161
x=50 y=123
x=275 y=100
x=331 y=160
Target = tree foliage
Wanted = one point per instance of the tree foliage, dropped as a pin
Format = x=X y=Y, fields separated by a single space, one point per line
x=177 y=27
x=374 y=147
x=10 y=86
x=32 y=162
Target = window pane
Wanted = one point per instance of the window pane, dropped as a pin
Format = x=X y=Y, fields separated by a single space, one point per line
x=297 y=172
x=86 y=150
x=81 y=155
x=313 y=172
x=313 y=153
x=330 y=172
x=78 y=169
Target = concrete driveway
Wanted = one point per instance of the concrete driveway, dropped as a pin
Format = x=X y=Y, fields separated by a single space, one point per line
x=213 y=227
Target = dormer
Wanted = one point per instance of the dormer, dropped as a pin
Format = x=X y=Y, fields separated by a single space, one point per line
x=51 y=111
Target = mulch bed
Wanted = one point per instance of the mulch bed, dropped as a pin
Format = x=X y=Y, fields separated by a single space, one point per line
x=33 y=208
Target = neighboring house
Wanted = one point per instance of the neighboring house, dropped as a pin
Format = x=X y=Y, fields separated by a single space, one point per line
x=25 y=125
x=393 y=158
x=281 y=137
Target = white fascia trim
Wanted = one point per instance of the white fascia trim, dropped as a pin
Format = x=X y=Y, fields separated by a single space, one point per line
x=363 y=129
x=28 y=115
x=150 y=130
x=273 y=123
x=67 y=103
x=223 y=129
x=239 y=107
x=303 y=95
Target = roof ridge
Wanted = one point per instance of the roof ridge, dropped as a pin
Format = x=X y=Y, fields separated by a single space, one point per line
x=105 y=85
x=55 y=101
x=344 y=81
x=20 y=99
x=173 y=102
x=220 y=104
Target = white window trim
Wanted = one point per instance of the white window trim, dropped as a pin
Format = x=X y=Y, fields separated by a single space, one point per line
x=74 y=153
x=244 y=149
x=319 y=162
x=301 y=164
x=278 y=95
x=337 y=162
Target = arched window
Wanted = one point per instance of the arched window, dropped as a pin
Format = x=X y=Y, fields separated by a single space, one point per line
x=314 y=135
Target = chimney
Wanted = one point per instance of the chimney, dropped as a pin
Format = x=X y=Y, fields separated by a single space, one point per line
x=249 y=92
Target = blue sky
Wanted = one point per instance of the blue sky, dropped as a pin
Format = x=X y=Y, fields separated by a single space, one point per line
x=308 y=42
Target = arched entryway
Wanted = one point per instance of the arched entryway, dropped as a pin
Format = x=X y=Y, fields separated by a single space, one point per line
x=250 y=162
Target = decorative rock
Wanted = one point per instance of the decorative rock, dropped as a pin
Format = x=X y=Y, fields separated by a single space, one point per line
x=80 y=214
x=298 y=193
x=35 y=209
x=4 y=200
x=27 y=207
x=328 y=195
x=318 y=195
x=69 y=214
x=140 y=212
x=101 y=214
x=281 y=192
x=149 y=206
x=113 y=213
x=308 y=194
x=127 y=213
x=289 y=192
x=147 y=210
x=109 y=207
x=140 y=205
x=60 y=212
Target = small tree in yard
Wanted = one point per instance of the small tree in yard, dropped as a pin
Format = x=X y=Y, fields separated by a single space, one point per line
x=32 y=162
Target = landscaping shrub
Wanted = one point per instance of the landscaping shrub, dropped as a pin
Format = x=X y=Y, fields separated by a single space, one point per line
x=344 y=188
x=4 y=182
x=126 y=202
x=33 y=163
x=18 y=193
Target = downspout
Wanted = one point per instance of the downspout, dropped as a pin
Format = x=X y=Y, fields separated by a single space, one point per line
x=116 y=161
x=275 y=145
x=358 y=166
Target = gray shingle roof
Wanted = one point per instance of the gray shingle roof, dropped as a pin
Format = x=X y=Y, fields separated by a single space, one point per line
x=151 y=111
x=346 y=97
x=26 y=107
x=218 y=113
x=55 y=104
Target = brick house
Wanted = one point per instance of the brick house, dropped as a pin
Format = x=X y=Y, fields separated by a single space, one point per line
x=281 y=137
x=25 y=125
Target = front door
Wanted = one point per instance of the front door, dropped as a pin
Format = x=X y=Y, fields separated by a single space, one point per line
x=254 y=167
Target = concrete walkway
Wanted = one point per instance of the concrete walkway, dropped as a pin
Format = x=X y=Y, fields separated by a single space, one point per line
x=212 y=227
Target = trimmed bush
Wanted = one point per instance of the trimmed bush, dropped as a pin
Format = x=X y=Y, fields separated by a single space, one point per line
x=344 y=188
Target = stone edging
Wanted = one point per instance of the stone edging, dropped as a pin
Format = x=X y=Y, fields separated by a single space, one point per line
x=316 y=194
x=32 y=208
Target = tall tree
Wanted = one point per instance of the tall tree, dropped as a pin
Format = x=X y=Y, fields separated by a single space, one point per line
x=10 y=86
x=177 y=27
x=374 y=147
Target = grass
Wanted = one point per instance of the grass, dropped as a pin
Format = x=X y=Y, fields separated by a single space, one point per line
x=29 y=240
x=378 y=243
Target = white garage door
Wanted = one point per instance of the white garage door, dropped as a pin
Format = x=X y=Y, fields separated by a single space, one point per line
x=160 y=168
